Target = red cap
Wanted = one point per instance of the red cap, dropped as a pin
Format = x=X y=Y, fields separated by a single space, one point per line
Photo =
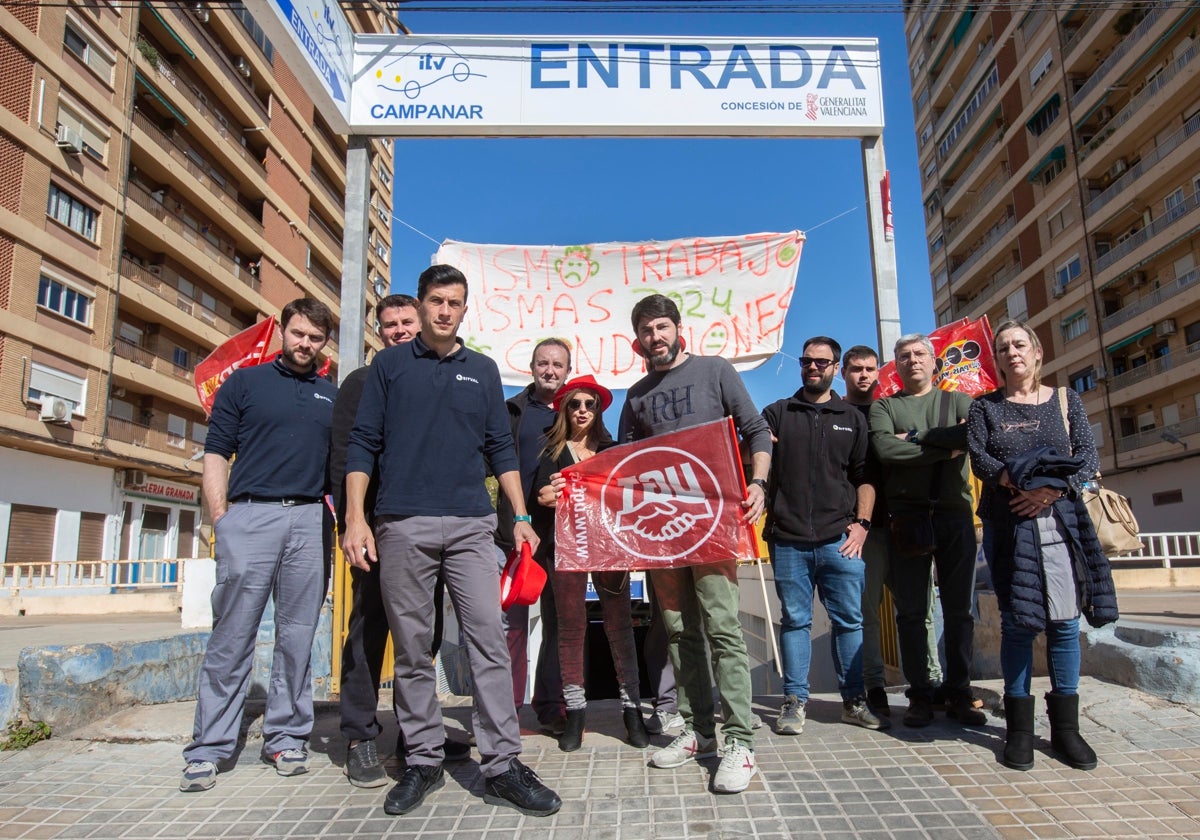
x=522 y=579
x=586 y=383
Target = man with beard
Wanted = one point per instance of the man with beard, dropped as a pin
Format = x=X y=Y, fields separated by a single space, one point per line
x=272 y=539
x=530 y=414
x=367 y=628
x=700 y=602
x=818 y=515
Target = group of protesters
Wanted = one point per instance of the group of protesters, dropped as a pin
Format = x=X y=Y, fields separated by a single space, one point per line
x=858 y=492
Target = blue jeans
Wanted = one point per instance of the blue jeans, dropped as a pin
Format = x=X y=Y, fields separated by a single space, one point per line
x=799 y=568
x=1062 y=655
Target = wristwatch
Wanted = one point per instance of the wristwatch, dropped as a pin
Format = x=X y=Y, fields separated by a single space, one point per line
x=865 y=523
x=760 y=482
x=913 y=436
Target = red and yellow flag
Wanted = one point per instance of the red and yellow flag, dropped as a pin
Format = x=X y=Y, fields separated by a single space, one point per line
x=246 y=349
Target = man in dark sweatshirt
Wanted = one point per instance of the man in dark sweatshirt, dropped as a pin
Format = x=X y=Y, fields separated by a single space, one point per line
x=920 y=436
x=819 y=507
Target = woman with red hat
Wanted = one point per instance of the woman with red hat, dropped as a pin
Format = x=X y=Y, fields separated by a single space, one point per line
x=578 y=433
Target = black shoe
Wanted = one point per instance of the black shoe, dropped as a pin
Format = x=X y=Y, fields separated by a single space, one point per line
x=572 y=737
x=520 y=788
x=456 y=750
x=937 y=702
x=1063 y=710
x=363 y=767
x=1018 y=734
x=963 y=710
x=877 y=702
x=418 y=781
x=635 y=729
x=554 y=727
x=919 y=713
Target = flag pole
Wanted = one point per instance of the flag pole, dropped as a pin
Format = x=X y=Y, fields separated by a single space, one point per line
x=762 y=580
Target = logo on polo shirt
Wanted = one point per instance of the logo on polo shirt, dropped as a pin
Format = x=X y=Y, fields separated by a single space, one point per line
x=323 y=397
x=462 y=378
x=838 y=428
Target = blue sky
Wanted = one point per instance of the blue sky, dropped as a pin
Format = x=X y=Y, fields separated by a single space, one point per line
x=555 y=191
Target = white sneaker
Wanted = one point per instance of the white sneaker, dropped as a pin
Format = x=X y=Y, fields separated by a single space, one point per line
x=736 y=770
x=791 y=716
x=670 y=720
x=688 y=745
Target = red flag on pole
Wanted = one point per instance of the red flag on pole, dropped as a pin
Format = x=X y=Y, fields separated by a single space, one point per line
x=246 y=349
x=668 y=501
x=964 y=360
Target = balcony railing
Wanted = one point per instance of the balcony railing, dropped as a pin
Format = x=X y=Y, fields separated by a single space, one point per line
x=1150 y=437
x=986 y=193
x=981 y=156
x=325 y=234
x=1076 y=38
x=315 y=272
x=998 y=231
x=126 y=349
x=221 y=59
x=974 y=302
x=1151 y=300
x=111 y=575
x=141 y=197
x=1144 y=96
x=338 y=199
x=1148 y=160
x=1165 y=550
x=1180 y=210
x=137 y=434
x=165 y=284
x=1153 y=15
x=1154 y=367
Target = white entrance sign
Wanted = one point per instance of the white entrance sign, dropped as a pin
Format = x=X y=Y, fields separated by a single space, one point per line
x=319 y=44
x=569 y=85
x=732 y=291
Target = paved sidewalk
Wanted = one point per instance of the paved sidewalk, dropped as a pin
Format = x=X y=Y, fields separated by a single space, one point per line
x=118 y=780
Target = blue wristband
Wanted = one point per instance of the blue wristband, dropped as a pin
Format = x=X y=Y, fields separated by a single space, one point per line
x=522 y=518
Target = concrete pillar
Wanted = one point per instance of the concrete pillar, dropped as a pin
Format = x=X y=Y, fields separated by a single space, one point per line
x=354 y=256
x=883 y=250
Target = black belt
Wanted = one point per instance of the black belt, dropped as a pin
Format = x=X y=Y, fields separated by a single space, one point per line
x=285 y=501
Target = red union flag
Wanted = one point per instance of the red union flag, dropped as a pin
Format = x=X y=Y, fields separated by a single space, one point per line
x=964 y=360
x=672 y=500
x=246 y=349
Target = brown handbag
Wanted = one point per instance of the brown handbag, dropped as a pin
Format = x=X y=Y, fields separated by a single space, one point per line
x=1110 y=512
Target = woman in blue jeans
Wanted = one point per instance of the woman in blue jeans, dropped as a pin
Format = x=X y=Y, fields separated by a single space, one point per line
x=1032 y=539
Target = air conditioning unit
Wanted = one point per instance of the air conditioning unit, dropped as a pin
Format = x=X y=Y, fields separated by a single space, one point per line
x=1118 y=168
x=56 y=410
x=135 y=478
x=68 y=139
x=1101 y=374
x=155 y=269
x=381 y=287
x=1058 y=291
x=242 y=65
x=1138 y=278
x=1165 y=328
x=200 y=11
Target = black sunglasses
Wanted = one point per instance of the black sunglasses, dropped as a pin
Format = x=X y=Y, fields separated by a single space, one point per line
x=819 y=364
x=579 y=402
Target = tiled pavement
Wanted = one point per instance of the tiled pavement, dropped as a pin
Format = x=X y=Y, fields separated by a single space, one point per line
x=833 y=781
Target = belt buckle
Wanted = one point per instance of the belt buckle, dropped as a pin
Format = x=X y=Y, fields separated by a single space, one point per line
x=287 y=502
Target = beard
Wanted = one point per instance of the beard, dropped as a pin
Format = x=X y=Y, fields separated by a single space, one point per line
x=291 y=355
x=669 y=357
x=818 y=388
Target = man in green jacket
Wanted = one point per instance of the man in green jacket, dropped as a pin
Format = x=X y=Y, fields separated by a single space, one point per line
x=920 y=437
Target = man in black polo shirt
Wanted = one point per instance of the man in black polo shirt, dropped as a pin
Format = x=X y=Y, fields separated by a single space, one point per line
x=431 y=419
x=272 y=539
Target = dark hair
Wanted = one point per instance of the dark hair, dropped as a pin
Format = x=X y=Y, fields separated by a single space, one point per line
x=310 y=308
x=652 y=307
x=552 y=342
x=827 y=341
x=440 y=275
x=560 y=432
x=858 y=351
x=394 y=301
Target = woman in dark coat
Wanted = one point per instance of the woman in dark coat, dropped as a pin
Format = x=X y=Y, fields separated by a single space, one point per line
x=1046 y=565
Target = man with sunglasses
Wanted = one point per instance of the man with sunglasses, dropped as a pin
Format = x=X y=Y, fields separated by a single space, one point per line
x=819 y=507
x=700 y=603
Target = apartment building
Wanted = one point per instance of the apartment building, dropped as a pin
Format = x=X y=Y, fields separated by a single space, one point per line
x=1060 y=153
x=164 y=183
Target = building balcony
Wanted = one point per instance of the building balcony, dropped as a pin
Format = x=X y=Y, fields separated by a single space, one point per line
x=325 y=234
x=1159 y=435
x=971 y=211
x=1183 y=212
x=222 y=188
x=126 y=349
x=172 y=221
x=1073 y=37
x=998 y=232
x=164 y=281
x=977 y=302
x=1151 y=157
x=983 y=94
x=1149 y=95
x=1101 y=73
x=1150 y=300
x=233 y=79
x=320 y=275
x=981 y=159
x=137 y=434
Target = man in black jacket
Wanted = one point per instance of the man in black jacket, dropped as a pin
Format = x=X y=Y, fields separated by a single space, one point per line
x=367 y=630
x=818 y=514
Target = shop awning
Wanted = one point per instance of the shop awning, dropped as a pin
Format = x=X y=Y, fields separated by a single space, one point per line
x=170 y=30
x=1057 y=153
x=1137 y=336
x=153 y=91
x=1053 y=102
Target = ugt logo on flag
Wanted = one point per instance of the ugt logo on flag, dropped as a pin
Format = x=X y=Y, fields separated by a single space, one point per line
x=674 y=500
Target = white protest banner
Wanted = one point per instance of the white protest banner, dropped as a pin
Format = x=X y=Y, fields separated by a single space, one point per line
x=733 y=293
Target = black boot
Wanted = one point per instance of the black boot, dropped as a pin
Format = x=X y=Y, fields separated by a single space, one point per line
x=1063 y=710
x=1018 y=741
x=635 y=729
x=572 y=737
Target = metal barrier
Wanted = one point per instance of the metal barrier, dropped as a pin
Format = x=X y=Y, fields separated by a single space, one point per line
x=91 y=576
x=1164 y=550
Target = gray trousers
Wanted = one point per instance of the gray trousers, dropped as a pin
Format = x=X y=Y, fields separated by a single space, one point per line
x=263 y=550
x=412 y=550
x=876 y=556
